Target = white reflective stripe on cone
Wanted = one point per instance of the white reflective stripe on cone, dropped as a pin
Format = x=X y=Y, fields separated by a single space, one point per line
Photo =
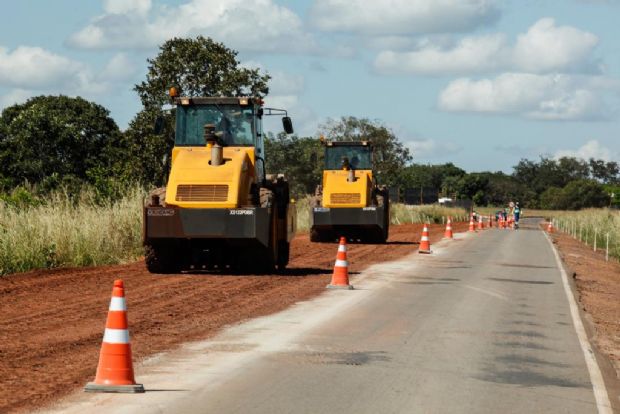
x=424 y=238
x=118 y=304
x=342 y=248
x=341 y=263
x=116 y=336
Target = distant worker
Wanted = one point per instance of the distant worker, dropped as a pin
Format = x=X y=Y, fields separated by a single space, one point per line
x=517 y=214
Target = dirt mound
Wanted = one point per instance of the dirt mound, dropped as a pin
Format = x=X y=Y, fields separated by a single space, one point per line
x=51 y=321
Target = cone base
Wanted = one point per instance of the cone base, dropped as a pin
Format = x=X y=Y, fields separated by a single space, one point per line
x=348 y=287
x=128 y=389
x=425 y=251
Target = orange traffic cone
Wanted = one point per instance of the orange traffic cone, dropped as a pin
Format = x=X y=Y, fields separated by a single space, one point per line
x=425 y=243
x=550 y=227
x=480 y=225
x=472 y=226
x=491 y=222
x=448 y=234
x=115 y=369
x=340 y=278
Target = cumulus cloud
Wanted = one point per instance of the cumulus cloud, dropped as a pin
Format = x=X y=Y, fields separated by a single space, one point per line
x=141 y=7
x=31 y=71
x=394 y=17
x=119 y=68
x=591 y=149
x=248 y=25
x=547 y=47
x=544 y=97
x=33 y=67
x=430 y=148
x=544 y=48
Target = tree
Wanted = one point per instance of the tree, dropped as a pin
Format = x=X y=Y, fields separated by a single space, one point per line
x=474 y=186
x=390 y=154
x=552 y=199
x=299 y=159
x=580 y=194
x=50 y=140
x=196 y=67
x=606 y=172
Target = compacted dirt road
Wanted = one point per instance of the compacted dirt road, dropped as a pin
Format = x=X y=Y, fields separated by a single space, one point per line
x=52 y=321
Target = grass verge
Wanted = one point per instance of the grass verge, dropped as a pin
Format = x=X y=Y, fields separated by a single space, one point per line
x=64 y=231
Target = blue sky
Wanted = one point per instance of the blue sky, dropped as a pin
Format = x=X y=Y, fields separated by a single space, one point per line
x=481 y=83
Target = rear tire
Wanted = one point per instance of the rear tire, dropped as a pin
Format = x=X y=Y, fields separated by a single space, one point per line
x=284 y=249
x=384 y=202
x=162 y=258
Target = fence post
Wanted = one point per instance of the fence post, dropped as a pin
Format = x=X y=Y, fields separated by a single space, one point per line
x=607 y=248
x=595 y=235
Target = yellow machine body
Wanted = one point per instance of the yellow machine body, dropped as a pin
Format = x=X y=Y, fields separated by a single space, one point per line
x=195 y=183
x=340 y=192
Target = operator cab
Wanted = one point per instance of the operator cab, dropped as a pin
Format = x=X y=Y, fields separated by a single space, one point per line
x=343 y=155
x=236 y=125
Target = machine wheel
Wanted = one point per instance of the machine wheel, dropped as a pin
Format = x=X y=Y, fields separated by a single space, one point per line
x=266 y=262
x=315 y=236
x=321 y=237
x=384 y=201
x=284 y=249
x=161 y=259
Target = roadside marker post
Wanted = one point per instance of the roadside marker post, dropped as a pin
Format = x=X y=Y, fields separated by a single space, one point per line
x=607 y=248
x=595 y=237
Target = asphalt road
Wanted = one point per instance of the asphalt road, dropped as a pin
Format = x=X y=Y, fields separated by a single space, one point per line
x=482 y=325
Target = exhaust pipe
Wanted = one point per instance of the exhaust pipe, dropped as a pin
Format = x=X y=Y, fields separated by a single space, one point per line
x=217 y=155
x=351 y=176
x=217 y=152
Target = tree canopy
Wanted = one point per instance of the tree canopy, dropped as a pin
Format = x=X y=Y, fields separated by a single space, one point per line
x=53 y=139
x=198 y=67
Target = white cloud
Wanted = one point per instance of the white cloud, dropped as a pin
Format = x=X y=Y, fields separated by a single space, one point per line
x=394 y=17
x=544 y=48
x=547 y=47
x=141 y=7
x=33 y=67
x=119 y=68
x=248 y=25
x=430 y=148
x=31 y=71
x=470 y=55
x=544 y=97
x=591 y=149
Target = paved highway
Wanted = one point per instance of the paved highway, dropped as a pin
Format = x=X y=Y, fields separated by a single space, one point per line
x=483 y=325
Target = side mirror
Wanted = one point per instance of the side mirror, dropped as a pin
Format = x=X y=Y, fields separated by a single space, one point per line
x=287 y=124
x=159 y=125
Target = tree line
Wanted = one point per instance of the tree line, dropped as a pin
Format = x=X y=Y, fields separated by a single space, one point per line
x=58 y=142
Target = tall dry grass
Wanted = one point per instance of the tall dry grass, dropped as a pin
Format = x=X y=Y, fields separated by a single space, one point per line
x=68 y=232
x=594 y=227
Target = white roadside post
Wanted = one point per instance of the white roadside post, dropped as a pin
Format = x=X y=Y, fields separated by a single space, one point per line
x=595 y=236
x=607 y=248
